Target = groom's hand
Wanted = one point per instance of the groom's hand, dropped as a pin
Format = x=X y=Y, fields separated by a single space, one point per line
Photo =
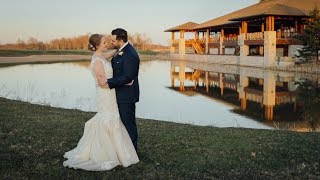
x=107 y=85
x=130 y=83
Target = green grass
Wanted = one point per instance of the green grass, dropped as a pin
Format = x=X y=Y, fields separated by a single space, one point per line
x=34 y=139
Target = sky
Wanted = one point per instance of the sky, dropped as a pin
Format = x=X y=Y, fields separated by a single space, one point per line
x=49 y=19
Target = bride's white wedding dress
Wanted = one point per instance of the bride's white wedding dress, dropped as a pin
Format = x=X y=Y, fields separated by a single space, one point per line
x=105 y=142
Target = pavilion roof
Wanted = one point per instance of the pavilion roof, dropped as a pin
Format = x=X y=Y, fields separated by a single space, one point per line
x=271 y=7
x=185 y=26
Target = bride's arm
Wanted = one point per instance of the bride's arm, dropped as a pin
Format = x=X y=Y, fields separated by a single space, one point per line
x=99 y=72
x=110 y=54
x=113 y=52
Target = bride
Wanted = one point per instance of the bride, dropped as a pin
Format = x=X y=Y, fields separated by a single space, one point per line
x=105 y=143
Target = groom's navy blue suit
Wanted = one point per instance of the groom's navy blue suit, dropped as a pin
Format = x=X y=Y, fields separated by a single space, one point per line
x=125 y=67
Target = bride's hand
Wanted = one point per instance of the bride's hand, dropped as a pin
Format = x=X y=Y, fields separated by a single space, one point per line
x=130 y=83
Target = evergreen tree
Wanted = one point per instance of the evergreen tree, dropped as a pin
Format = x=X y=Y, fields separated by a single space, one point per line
x=310 y=38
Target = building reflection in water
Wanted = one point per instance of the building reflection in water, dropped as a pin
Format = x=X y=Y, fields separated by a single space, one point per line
x=265 y=95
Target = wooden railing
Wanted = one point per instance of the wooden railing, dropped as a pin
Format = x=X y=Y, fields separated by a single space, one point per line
x=211 y=40
x=255 y=36
x=189 y=41
x=176 y=41
x=287 y=98
x=280 y=34
x=202 y=41
x=286 y=34
x=214 y=40
x=217 y=39
x=230 y=38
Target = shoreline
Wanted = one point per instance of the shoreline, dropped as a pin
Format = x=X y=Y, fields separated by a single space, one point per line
x=41 y=59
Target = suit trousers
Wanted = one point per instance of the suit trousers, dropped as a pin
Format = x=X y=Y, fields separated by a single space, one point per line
x=128 y=117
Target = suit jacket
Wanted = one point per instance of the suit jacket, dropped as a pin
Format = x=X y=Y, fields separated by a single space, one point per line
x=125 y=67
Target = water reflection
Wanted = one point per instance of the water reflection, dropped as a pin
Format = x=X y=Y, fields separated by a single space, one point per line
x=276 y=98
x=309 y=97
x=183 y=92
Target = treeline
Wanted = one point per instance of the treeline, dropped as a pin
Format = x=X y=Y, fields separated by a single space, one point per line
x=140 y=41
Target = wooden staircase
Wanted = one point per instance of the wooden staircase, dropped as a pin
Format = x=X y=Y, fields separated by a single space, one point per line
x=197 y=47
x=196 y=75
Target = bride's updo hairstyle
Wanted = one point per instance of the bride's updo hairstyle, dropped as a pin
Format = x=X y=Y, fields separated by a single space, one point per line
x=94 y=41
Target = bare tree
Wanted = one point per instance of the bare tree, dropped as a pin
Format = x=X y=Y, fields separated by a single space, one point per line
x=21 y=44
x=140 y=42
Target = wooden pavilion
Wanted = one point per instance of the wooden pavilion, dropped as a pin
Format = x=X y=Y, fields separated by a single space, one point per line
x=265 y=29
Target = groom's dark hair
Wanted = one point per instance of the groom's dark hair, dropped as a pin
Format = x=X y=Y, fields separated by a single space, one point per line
x=121 y=34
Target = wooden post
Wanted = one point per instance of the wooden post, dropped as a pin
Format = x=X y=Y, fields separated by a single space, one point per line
x=243 y=104
x=207 y=41
x=270 y=23
x=181 y=86
x=221 y=83
x=182 y=34
x=222 y=32
x=268 y=113
x=221 y=49
x=172 y=75
x=244 y=27
x=207 y=81
x=196 y=35
x=182 y=75
x=262 y=27
x=172 y=48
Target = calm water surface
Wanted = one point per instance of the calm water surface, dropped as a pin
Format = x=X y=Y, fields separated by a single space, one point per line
x=200 y=94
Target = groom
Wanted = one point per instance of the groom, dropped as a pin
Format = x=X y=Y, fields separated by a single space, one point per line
x=125 y=65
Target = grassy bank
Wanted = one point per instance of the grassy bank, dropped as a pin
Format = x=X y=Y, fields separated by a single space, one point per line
x=34 y=139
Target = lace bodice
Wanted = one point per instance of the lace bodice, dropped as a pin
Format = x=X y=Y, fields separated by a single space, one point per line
x=106 y=98
x=106 y=65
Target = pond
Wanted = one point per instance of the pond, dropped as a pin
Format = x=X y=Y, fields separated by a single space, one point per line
x=182 y=92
